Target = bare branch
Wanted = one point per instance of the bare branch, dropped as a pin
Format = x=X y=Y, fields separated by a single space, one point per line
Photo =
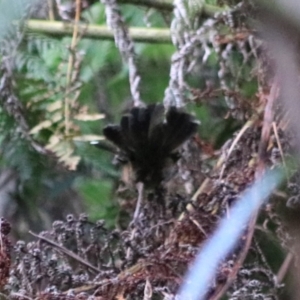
x=59 y=29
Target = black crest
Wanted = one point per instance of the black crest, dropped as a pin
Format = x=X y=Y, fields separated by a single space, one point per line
x=148 y=138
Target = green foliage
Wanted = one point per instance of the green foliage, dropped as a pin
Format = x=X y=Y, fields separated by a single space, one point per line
x=98 y=194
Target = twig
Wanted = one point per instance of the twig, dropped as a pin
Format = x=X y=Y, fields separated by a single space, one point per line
x=266 y=129
x=280 y=148
x=198 y=225
x=140 y=188
x=65 y=251
x=248 y=125
x=220 y=291
x=20 y=296
x=284 y=268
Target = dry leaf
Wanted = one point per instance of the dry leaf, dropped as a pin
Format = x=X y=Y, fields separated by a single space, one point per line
x=88 y=138
x=55 y=106
x=64 y=150
x=39 y=127
x=54 y=140
x=71 y=162
x=89 y=117
x=46 y=124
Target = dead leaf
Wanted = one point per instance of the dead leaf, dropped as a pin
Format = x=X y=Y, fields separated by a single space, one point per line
x=46 y=124
x=89 y=117
x=39 y=127
x=55 y=106
x=88 y=138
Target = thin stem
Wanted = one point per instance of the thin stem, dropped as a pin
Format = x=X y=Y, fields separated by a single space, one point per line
x=70 y=67
x=140 y=188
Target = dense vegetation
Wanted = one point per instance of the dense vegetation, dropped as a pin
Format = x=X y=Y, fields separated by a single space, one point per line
x=65 y=76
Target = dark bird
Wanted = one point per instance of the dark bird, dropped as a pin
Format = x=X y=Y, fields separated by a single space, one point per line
x=149 y=138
